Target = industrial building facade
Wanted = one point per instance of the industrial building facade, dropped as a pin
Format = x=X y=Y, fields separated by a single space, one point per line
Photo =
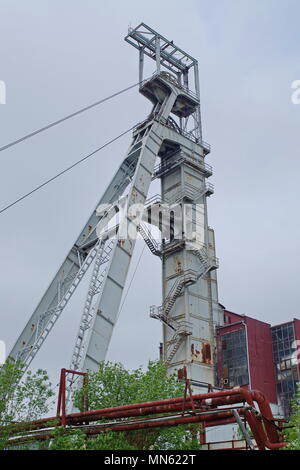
x=256 y=355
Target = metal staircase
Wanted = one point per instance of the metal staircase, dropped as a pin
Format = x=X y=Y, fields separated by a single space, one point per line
x=158 y=314
x=162 y=312
x=182 y=328
x=189 y=277
x=103 y=256
x=48 y=319
x=176 y=346
x=207 y=262
x=152 y=244
x=178 y=338
x=190 y=193
x=181 y=158
x=172 y=296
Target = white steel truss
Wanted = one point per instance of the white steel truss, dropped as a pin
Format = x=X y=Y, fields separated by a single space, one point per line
x=183 y=174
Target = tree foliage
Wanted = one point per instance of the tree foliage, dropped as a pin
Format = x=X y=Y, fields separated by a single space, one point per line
x=22 y=399
x=292 y=431
x=113 y=385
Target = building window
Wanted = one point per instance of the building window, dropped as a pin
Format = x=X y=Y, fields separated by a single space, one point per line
x=234 y=358
x=286 y=372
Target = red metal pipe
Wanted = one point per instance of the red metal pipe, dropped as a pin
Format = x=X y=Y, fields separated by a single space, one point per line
x=260 y=436
x=59 y=399
x=161 y=424
x=203 y=433
x=96 y=415
x=211 y=399
x=139 y=409
x=156 y=409
x=267 y=414
x=206 y=398
x=199 y=397
x=89 y=415
x=226 y=400
x=255 y=427
x=63 y=399
x=211 y=419
x=224 y=417
x=131 y=413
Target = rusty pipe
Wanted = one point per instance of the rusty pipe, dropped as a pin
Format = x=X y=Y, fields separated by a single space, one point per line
x=157 y=409
x=168 y=401
x=208 y=417
x=166 y=423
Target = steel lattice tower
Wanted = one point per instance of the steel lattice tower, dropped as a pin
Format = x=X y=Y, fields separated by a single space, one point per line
x=190 y=309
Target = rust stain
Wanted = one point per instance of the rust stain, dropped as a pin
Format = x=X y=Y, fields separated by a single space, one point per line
x=195 y=353
x=178 y=266
x=206 y=353
x=134 y=195
x=180 y=374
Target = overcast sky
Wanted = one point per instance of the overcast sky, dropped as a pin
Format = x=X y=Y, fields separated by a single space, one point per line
x=59 y=55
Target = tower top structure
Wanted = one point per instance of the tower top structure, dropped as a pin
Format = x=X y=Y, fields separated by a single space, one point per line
x=171 y=57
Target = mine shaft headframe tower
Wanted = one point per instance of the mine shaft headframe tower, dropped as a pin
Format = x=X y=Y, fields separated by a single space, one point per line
x=190 y=309
x=190 y=305
x=167 y=55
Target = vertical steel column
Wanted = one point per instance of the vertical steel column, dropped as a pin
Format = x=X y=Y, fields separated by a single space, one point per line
x=61 y=404
x=141 y=65
x=198 y=112
x=157 y=47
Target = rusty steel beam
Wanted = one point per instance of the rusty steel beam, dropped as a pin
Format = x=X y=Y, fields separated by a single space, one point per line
x=204 y=410
x=215 y=416
x=167 y=423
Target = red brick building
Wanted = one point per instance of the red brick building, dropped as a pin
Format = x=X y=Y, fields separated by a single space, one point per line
x=253 y=354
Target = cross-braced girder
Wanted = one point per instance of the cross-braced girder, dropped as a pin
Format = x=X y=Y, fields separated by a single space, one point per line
x=66 y=280
x=168 y=56
x=136 y=170
x=188 y=265
x=172 y=57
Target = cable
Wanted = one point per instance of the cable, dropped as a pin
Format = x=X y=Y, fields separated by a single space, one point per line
x=52 y=390
x=137 y=265
x=65 y=171
x=59 y=121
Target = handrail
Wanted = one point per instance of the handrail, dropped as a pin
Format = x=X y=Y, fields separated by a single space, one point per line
x=165 y=166
x=169 y=77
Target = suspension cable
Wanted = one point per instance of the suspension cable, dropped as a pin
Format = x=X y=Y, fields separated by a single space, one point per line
x=131 y=281
x=59 y=121
x=65 y=171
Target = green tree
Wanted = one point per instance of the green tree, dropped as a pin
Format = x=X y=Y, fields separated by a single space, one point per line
x=21 y=399
x=113 y=385
x=292 y=432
